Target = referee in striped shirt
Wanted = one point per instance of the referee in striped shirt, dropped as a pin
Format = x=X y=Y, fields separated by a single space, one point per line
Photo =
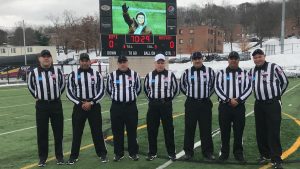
x=123 y=86
x=269 y=83
x=197 y=83
x=233 y=87
x=160 y=87
x=46 y=84
x=85 y=89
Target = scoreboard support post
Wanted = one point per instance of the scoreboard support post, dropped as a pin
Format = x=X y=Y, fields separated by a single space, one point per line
x=140 y=64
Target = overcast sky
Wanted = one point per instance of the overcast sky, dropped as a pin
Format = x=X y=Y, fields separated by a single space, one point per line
x=35 y=12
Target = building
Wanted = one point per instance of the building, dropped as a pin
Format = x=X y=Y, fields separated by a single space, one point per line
x=15 y=55
x=199 y=38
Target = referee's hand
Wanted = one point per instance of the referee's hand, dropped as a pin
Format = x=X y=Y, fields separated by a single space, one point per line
x=86 y=106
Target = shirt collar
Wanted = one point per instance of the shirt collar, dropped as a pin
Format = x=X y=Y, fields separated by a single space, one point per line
x=164 y=72
x=196 y=69
x=84 y=70
x=263 y=67
x=127 y=72
x=46 y=69
x=228 y=69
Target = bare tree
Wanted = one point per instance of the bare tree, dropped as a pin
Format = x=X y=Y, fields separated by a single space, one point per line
x=3 y=37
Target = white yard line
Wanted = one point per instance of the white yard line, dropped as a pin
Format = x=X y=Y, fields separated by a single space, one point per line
x=3 y=115
x=21 y=116
x=197 y=144
x=18 y=105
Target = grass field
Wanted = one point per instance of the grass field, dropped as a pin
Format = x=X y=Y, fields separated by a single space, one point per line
x=155 y=12
x=18 y=135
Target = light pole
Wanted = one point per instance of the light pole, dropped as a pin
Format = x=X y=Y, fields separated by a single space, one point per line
x=282 y=27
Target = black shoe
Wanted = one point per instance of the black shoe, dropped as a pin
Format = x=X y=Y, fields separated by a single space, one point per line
x=172 y=157
x=151 y=157
x=72 y=161
x=209 y=157
x=104 y=159
x=134 y=157
x=187 y=157
x=118 y=158
x=223 y=157
x=263 y=160
x=240 y=158
x=60 y=161
x=277 y=165
x=42 y=163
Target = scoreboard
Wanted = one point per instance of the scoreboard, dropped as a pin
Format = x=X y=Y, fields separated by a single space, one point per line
x=123 y=32
x=138 y=45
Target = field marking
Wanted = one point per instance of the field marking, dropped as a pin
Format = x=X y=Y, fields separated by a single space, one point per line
x=4 y=114
x=179 y=155
x=292 y=149
x=197 y=144
x=18 y=105
x=90 y=145
x=22 y=116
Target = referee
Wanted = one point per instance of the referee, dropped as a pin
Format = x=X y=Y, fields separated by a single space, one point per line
x=233 y=87
x=269 y=83
x=160 y=87
x=123 y=86
x=197 y=83
x=46 y=84
x=85 y=89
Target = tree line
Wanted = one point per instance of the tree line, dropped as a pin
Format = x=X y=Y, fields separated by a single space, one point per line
x=68 y=31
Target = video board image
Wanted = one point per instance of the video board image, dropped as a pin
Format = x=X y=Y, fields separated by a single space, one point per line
x=138 y=17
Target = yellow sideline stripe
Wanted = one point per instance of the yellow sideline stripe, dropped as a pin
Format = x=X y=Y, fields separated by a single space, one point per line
x=90 y=145
x=292 y=149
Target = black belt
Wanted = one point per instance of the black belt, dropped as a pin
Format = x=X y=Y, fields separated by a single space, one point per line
x=49 y=101
x=198 y=100
x=126 y=103
x=162 y=100
x=269 y=101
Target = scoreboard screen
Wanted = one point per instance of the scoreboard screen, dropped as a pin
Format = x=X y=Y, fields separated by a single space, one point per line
x=138 y=27
x=138 y=45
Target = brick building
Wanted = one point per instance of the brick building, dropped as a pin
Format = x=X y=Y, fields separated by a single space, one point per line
x=199 y=38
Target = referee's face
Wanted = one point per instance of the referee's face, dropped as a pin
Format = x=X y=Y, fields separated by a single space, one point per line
x=160 y=65
x=233 y=63
x=123 y=65
x=45 y=61
x=85 y=63
x=197 y=62
x=259 y=59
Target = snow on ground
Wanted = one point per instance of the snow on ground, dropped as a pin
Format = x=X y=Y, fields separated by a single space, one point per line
x=290 y=61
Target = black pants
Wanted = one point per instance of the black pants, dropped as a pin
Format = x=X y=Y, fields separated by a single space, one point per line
x=44 y=111
x=124 y=115
x=160 y=111
x=268 y=121
x=94 y=117
x=235 y=116
x=198 y=112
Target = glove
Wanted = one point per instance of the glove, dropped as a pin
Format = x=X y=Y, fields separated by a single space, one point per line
x=125 y=8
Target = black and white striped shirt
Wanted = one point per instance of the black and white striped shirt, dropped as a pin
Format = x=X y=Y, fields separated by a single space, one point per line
x=233 y=84
x=123 y=86
x=85 y=85
x=198 y=83
x=268 y=81
x=161 y=85
x=46 y=84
